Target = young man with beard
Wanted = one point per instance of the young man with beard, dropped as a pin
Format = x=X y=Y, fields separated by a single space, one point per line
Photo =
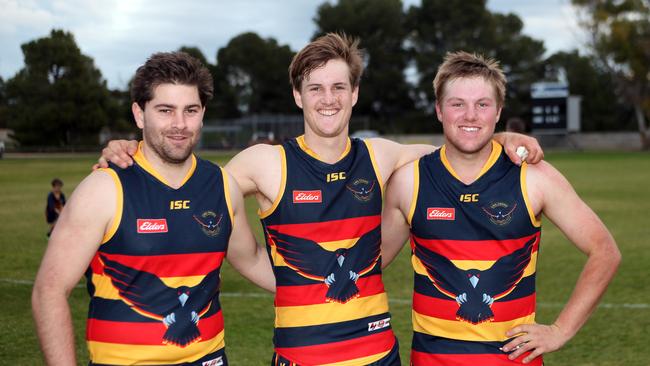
x=151 y=239
x=475 y=223
x=320 y=200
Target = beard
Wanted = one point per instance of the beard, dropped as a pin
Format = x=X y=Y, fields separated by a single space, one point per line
x=167 y=152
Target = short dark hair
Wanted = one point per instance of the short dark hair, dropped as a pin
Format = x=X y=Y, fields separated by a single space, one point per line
x=462 y=64
x=332 y=46
x=171 y=68
x=57 y=182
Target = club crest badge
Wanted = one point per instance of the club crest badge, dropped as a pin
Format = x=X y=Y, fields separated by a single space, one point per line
x=362 y=189
x=210 y=223
x=500 y=213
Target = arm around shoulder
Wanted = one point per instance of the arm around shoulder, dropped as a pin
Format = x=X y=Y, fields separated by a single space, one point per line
x=254 y=162
x=391 y=155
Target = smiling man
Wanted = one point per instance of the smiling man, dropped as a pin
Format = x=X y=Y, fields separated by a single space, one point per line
x=151 y=239
x=320 y=201
x=475 y=226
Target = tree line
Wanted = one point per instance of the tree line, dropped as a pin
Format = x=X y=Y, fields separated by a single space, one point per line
x=59 y=97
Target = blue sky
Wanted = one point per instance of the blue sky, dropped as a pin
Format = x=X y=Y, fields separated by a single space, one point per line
x=120 y=34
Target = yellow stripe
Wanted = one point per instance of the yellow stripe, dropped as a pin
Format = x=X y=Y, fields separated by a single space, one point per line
x=283 y=183
x=360 y=361
x=144 y=163
x=127 y=354
x=298 y=316
x=416 y=190
x=494 y=156
x=524 y=192
x=488 y=331
x=303 y=146
x=374 y=165
x=338 y=244
x=465 y=265
x=104 y=287
x=117 y=217
x=226 y=191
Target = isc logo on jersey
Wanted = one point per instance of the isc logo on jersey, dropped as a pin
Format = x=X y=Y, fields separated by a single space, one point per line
x=307 y=196
x=151 y=226
x=441 y=213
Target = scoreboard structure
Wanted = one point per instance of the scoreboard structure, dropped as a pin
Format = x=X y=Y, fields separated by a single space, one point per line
x=554 y=111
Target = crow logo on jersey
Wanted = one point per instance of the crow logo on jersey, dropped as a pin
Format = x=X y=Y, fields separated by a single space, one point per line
x=362 y=189
x=338 y=270
x=500 y=213
x=179 y=309
x=210 y=223
x=476 y=290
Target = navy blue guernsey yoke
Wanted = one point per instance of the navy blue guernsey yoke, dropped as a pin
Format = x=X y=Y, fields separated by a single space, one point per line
x=154 y=282
x=474 y=254
x=323 y=236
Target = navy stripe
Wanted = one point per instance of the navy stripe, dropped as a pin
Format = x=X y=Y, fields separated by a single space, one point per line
x=326 y=333
x=431 y=344
x=119 y=311
x=424 y=286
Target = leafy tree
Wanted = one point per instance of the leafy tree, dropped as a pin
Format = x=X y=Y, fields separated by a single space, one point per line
x=384 y=92
x=59 y=98
x=253 y=72
x=196 y=53
x=619 y=33
x=438 y=27
x=601 y=109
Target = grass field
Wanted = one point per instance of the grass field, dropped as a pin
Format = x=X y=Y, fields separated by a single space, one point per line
x=615 y=185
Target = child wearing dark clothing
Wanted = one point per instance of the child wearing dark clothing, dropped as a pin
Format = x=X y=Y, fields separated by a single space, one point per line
x=55 y=203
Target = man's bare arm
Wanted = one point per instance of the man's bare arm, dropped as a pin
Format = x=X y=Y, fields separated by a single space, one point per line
x=561 y=204
x=394 y=224
x=250 y=259
x=73 y=243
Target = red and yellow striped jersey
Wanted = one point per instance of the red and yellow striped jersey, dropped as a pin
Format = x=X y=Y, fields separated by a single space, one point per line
x=323 y=236
x=474 y=254
x=154 y=282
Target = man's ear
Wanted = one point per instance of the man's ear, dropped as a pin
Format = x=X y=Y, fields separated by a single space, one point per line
x=297 y=97
x=438 y=112
x=355 y=95
x=138 y=115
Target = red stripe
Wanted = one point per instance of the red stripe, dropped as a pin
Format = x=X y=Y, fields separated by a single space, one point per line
x=475 y=249
x=330 y=230
x=168 y=265
x=427 y=359
x=315 y=294
x=144 y=333
x=340 y=351
x=446 y=309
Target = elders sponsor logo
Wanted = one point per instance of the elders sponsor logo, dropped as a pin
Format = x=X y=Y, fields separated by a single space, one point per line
x=441 y=213
x=214 y=362
x=307 y=196
x=379 y=324
x=148 y=226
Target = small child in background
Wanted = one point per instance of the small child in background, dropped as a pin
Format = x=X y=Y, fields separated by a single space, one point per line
x=55 y=203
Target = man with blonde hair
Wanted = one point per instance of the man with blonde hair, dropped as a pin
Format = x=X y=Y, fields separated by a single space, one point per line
x=475 y=222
